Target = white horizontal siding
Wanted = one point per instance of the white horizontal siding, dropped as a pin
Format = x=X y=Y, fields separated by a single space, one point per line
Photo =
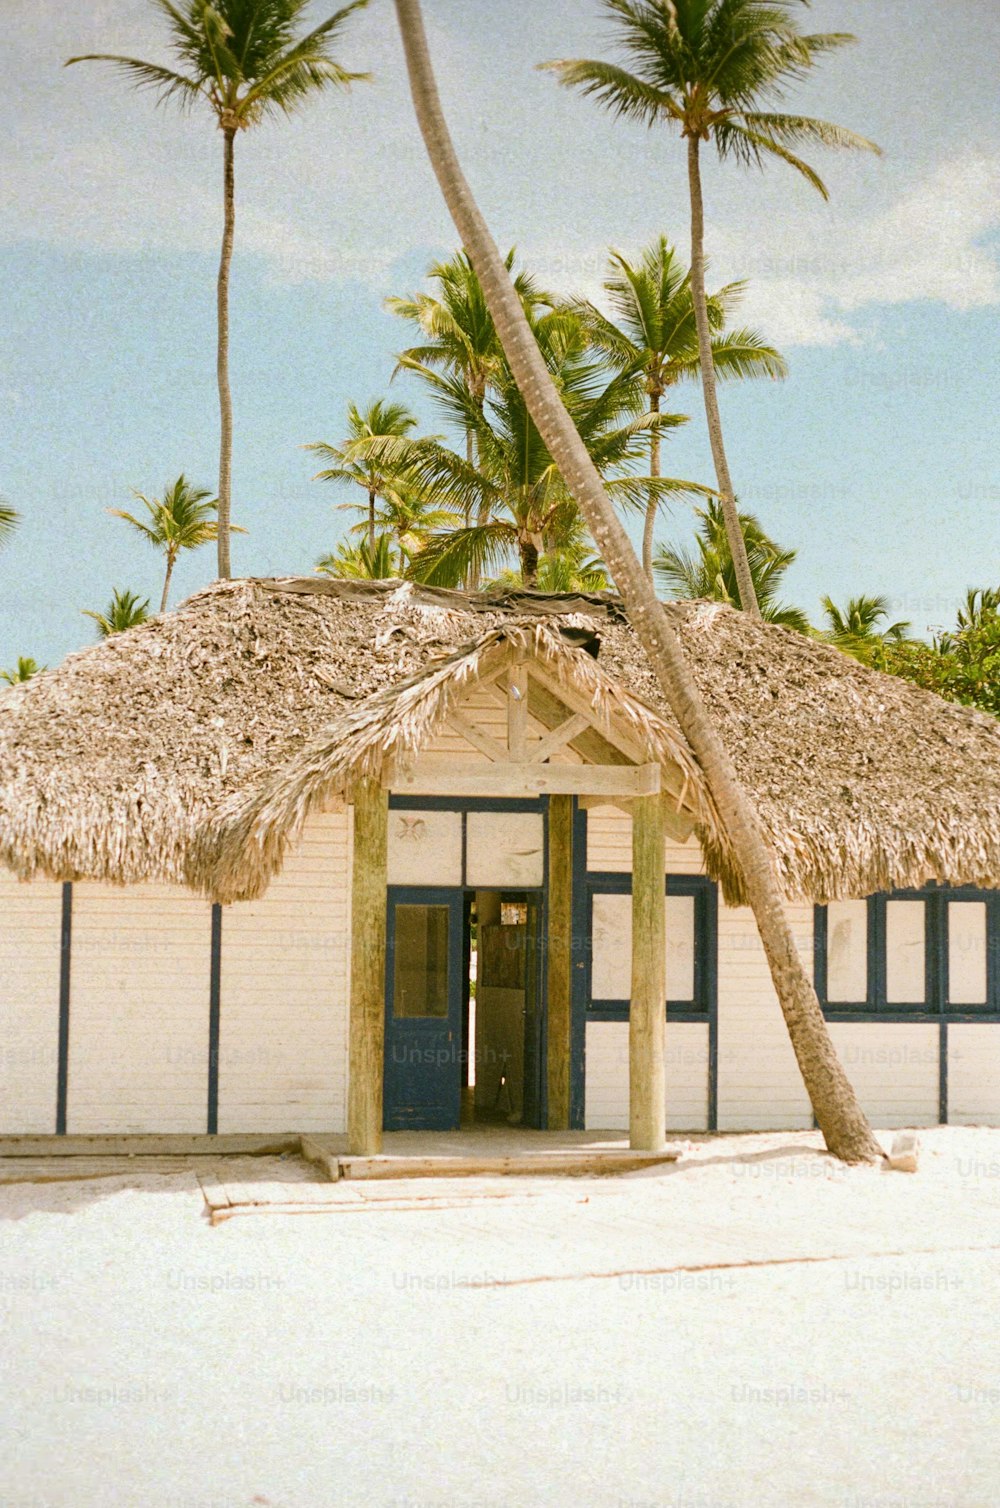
x=139 y=1010
x=974 y=1074
x=284 y=992
x=30 y=927
x=609 y=845
x=894 y=1069
x=760 y=1087
x=607 y=1078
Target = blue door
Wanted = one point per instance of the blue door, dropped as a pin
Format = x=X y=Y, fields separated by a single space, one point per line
x=423 y=1010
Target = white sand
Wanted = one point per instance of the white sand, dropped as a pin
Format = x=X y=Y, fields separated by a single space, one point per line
x=412 y=1357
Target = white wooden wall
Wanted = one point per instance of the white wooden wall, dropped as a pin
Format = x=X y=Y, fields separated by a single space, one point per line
x=974 y=1074
x=894 y=1069
x=30 y=926
x=139 y=1014
x=606 y=1082
x=760 y=1087
x=285 y=965
x=139 y=1004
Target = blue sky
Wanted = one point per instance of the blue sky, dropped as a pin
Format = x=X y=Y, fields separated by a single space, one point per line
x=876 y=459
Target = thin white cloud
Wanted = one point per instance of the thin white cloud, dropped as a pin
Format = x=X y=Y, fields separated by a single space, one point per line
x=933 y=244
x=813 y=276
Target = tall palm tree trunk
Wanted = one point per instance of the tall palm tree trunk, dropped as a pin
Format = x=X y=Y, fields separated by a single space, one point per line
x=653 y=505
x=225 y=396
x=166 y=581
x=371 y=519
x=838 y=1113
x=471 y=575
x=737 y=544
x=528 y=552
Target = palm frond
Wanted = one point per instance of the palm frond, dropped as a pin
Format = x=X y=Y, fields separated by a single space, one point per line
x=147 y=76
x=625 y=95
x=790 y=129
x=749 y=147
x=448 y=559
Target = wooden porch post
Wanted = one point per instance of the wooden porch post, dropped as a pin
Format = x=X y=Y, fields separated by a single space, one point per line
x=367 y=1013
x=560 y=959
x=646 y=1069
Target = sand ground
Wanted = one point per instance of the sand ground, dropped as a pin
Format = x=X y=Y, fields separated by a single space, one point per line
x=755 y=1327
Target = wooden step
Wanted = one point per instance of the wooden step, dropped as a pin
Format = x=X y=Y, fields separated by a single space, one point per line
x=585 y=1162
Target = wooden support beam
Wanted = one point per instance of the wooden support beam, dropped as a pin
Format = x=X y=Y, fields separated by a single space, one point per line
x=474 y=735
x=560 y=737
x=646 y=1066
x=443 y=776
x=517 y=714
x=560 y=959
x=679 y=825
x=368 y=952
x=550 y=701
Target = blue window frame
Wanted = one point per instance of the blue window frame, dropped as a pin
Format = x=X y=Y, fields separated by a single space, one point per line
x=701 y=1004
x=939 y=978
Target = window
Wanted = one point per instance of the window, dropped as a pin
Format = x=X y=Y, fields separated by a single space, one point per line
x=910 y=954
x=690 y=946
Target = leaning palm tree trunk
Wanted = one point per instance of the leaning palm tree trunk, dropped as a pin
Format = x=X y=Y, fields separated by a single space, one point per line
x=653 y=506
x=737 y=544
x=225 y=396
x=838 y=1113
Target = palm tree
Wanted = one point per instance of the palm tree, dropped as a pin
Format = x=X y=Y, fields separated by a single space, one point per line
x=459 y=334
x=9 y=520
x=374 y=455
x=125 y=610
x=654 y=333
x=244 y=59
x=360 y=562
x=859 y=627
x=182 y=519
x=408 y=517
x=709 y=573
x=981 y=604
x=838 y=1113
x=24 y=670
x=515 y=490
x=568 y=566
x=460 y=338
x=707 y=67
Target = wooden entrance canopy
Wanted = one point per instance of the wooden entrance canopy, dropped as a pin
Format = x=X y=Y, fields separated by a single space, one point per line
x=553 y=744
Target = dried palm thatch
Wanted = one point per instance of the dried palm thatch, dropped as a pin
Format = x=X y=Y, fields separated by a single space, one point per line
x=192 y=748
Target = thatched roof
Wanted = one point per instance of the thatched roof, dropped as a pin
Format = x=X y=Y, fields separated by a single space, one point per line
x=190 y=749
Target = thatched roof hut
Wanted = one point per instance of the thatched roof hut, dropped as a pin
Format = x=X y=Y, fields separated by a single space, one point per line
x=191 y=749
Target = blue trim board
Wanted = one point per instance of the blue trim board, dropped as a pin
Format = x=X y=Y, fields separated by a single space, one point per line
x=711 y=986
x=65 y=969
x=214 y=1020
x=943 y=1072
x=579 y=954
x=603 y=882
x=705 y=1006
x=935 y=1005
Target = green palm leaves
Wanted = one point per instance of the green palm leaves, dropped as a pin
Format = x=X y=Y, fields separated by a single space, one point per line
x=9 y=520
x=512 y=492
x=24 y=670
x=707 y=67
x=184 y=518
x=242 y=57
x=708 y=571
x=245 y=59
x=862 y=624
x=653 y=336
x=125 y=610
